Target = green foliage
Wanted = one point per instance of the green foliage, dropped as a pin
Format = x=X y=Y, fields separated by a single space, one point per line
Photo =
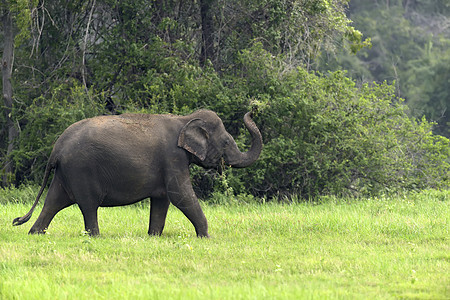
x=299 y=30
x=24 y=194
x=428 y=85
x=22 y=12
x=46 y=119
x=323 y=135
x=410 y=42
x=165 y=83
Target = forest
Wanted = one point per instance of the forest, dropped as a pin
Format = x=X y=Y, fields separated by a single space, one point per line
x=351 y=97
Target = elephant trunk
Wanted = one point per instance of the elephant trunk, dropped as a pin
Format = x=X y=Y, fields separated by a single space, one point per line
x=238 y=159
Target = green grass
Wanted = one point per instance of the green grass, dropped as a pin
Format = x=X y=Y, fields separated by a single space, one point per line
x=337 y=249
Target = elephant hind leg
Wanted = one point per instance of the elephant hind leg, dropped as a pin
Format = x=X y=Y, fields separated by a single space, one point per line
x=56 y=200
x=90 y=219
x=158 y=213
x=88 y=195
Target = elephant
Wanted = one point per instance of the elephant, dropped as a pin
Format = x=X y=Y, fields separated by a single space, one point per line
x=118 y=160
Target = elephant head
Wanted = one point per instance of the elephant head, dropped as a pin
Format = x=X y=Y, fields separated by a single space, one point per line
x=206 y=138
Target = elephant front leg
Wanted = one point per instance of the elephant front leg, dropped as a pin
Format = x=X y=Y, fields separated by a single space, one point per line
x=158 y=213
x=181 y=194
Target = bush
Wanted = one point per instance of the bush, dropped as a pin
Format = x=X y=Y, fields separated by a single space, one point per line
x=324 y=135
x=22 y=194
x=44 y=121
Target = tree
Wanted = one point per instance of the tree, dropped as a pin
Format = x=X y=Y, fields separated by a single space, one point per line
x=207 y=30
x=15 y=17
x=410 y=42
x=7 y=64
x=90 y=57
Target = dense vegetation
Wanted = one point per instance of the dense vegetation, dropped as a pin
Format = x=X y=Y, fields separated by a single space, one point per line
x=379 y=248
x=410 y=49
x=324 y=133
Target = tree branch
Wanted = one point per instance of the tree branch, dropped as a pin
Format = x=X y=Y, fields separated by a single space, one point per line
x=83 y=67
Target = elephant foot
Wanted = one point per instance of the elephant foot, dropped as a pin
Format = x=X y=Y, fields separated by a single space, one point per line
x=93 y=232
x=154 y=233
x=37 y=231
x=203 y=235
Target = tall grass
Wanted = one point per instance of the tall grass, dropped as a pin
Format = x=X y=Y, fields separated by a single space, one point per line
x=396 y=247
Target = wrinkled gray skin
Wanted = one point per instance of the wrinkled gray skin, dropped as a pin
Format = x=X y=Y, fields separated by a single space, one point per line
x=120 y=160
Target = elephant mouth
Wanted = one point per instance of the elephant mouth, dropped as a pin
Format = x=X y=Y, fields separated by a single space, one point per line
x=217 y=167
x=221 y=166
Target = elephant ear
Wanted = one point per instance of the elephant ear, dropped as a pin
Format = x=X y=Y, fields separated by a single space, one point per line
x=194 y=138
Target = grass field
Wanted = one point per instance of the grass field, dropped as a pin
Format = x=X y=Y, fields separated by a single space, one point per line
x=383 y=248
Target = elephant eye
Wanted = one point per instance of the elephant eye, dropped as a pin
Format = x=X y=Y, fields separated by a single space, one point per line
x=226 y=143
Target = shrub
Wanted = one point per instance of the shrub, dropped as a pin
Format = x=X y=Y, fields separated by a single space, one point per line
x=324 y=135
x=23 y=194
x=42 y=123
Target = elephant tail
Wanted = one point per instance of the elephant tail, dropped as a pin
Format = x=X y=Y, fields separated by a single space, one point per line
x=24 y=219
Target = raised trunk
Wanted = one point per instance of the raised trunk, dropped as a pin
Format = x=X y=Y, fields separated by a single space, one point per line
x=242 y=160
x=7 y=62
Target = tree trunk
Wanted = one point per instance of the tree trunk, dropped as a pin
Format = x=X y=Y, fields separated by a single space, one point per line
x=207 y=30
x=7 y=63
